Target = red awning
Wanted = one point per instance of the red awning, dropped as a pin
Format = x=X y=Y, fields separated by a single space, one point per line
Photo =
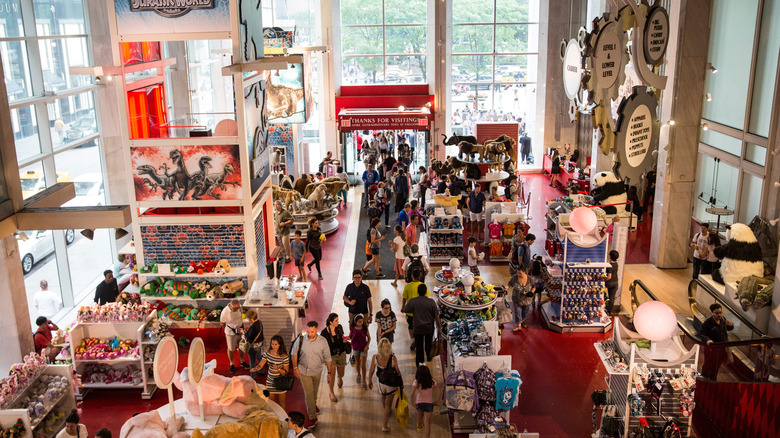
x=383 y=118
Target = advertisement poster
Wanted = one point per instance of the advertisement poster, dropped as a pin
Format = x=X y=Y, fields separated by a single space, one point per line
x=282 y=135
x=182 y=173
x=286 y=100
x=148 y=17
x=250 y=28
x=257 y=133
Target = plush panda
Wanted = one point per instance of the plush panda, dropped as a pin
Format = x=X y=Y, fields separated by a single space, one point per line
x=607 y=189
x=740 y=256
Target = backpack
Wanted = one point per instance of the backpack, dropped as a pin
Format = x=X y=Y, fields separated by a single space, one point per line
x=389 y=376
x=416 y=265
x=485 y=379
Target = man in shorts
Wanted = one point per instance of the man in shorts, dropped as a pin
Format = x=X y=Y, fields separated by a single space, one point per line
x=233 y=325
x=357 y=297
x=410 y=291
x=476 y=203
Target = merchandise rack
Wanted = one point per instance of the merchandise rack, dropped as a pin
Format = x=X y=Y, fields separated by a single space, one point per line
x=122 y=330
x=513 y=217
x=450 y=248
x=64 y=403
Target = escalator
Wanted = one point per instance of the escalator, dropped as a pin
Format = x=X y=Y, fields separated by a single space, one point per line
x=738 y=394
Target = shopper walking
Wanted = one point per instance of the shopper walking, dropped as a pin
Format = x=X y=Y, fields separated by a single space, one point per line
x=383 y=359
x=612 y=282
x=334 y=334
x=295 y=422
x=410 y=291
x=403 y=216
x=398 y=246
x=107 y=290
x=476 y=203
x=699 y=245
x=358 y=332
x=411 y=229
x=47 y=302
x=425 y=313
x=308 y=354
x=357 y=297
x=254 y=335
x=423 y=185
x=283 y=221
x=401 y=189
x=383 y=201
x=103 y=433
x=298 y=248
x=713 y=241
x=425 y=394
x=714 y=329
x=522 y=289
x=472 y=258
x=386 y=322
x=524 y=252
x=370 y=177
x=375 y=244
x=233 y=325
x=342 y=194
x=314 y=240
x=278 y=365
x=73 y=429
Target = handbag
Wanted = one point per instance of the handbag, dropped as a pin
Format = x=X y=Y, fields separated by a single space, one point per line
x=438 y=347
x=285 y=382
x=389 y=376
x=244 y=346
x=460 y=391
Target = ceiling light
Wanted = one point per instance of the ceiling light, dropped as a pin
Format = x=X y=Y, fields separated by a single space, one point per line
x=89 y=234
x=712 y=67
x=120 y=233
x=705 y=127
x=709 y=97
x=401 y=108
x=22 y=235
x=672 y=122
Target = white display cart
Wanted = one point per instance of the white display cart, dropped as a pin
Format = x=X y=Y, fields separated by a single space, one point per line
x=35 y=426
x=278 y=308
x=669 y=358
x=122 y=330
x=508 y=213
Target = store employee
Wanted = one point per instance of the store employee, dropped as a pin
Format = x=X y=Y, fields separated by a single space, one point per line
x=107 y=290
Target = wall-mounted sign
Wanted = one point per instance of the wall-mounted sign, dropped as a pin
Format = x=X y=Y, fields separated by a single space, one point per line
x=170 y=17
x=607 y=60
x=572 y=69
x=354 y=123
x=656 y=35
x=170 y=8
x=637 y=133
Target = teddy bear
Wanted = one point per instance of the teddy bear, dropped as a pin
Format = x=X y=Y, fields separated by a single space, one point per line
x=740 y=255
x=607 y=189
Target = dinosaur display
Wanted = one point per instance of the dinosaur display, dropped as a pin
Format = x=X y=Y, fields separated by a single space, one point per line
x=155 y=180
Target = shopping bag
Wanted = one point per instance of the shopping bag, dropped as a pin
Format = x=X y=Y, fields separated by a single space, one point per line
x=504 y=311
x=438 y=347
x=402 y=409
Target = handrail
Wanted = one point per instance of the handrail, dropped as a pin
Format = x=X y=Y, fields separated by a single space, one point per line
x=724 y=304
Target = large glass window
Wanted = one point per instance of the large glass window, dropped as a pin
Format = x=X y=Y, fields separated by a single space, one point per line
x=384 y=41
x=495 y=47
x=57 y=139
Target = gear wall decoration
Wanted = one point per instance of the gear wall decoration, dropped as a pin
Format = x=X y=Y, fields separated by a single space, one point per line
x=637 y=132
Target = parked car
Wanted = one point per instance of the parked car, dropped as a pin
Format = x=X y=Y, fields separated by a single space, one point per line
x=38 y=245
x=83 y=126
x=32 y=181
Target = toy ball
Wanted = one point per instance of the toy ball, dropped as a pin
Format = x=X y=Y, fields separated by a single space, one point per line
x=583 y=220
x=655 y=321
x=454 y=263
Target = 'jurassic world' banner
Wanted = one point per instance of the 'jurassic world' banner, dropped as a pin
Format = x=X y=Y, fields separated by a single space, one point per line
x=186 y=173
x=151 y=17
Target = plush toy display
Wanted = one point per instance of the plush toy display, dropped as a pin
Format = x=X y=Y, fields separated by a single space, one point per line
x=234 y=288
x=740 y=255
x=607 y=189
x=260 y=423
x=223 y=267
x=754 y=292
x=151 y=425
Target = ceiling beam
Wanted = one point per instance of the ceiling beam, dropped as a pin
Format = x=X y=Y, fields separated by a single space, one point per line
x=66 y=218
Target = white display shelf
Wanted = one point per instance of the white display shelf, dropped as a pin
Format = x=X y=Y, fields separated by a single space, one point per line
x=130 y=288
x=100 y=385
x=66 y=401
x=237 y=271
x=468 y=160
x=491 y=176
x=449 y=245
x=111 y=361
x=468 y=308
x=46 y=411
x=183 y=298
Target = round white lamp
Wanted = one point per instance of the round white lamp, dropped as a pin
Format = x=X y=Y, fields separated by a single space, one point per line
x=467 y=281
x=583 y=220
x=454 y=264
x=655 y=321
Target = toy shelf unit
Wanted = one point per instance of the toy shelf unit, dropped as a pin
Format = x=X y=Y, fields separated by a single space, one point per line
x=669 y=370
x=326 y=217
x=583 y=291
x=44 y=404
x=122 y=372
x=468 y=352
x=445 y=235
x=498 y=241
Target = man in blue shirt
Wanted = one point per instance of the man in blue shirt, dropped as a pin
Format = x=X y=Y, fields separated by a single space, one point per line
x=476 y=203
x=370 y=177
x=403 y=216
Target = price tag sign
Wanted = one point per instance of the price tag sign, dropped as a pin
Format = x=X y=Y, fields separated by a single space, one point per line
x=196 y=360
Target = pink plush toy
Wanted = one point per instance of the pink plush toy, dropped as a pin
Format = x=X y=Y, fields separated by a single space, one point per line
x=221 y=395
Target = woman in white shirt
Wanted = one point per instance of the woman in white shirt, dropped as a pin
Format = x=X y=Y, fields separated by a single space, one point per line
x=398 y=248
x=73 y=429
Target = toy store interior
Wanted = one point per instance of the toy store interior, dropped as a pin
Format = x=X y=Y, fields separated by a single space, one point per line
x=367 y=218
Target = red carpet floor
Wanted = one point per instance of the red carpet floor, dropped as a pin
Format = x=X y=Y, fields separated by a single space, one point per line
x=559 y=371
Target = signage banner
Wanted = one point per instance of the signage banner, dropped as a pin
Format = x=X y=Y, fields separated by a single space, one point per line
x=148 y=17
x=656 y=38
x=166 y=362
x=354 y=123
x=572 y=69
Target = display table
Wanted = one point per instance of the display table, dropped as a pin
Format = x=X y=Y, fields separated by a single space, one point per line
x=456 y=275
x=278 y=306
x=565 y=176
x=728 y=292
x=192 y=422
x=327 y=218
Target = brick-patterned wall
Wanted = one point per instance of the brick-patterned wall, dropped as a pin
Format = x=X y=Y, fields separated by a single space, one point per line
x=182 y=244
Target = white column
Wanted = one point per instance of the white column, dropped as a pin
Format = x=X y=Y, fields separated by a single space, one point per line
x=17 y=339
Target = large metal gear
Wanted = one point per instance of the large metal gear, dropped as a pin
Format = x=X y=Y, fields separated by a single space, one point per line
x=637 y=133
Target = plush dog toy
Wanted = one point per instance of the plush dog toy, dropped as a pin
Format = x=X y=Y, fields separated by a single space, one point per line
x=222 y=267
x=317 y=196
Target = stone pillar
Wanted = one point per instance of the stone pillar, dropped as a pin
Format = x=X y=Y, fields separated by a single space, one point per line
x=558 y=21
x=17 y=340
x=439 y=68
x=329 y=81
x=686 y=60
